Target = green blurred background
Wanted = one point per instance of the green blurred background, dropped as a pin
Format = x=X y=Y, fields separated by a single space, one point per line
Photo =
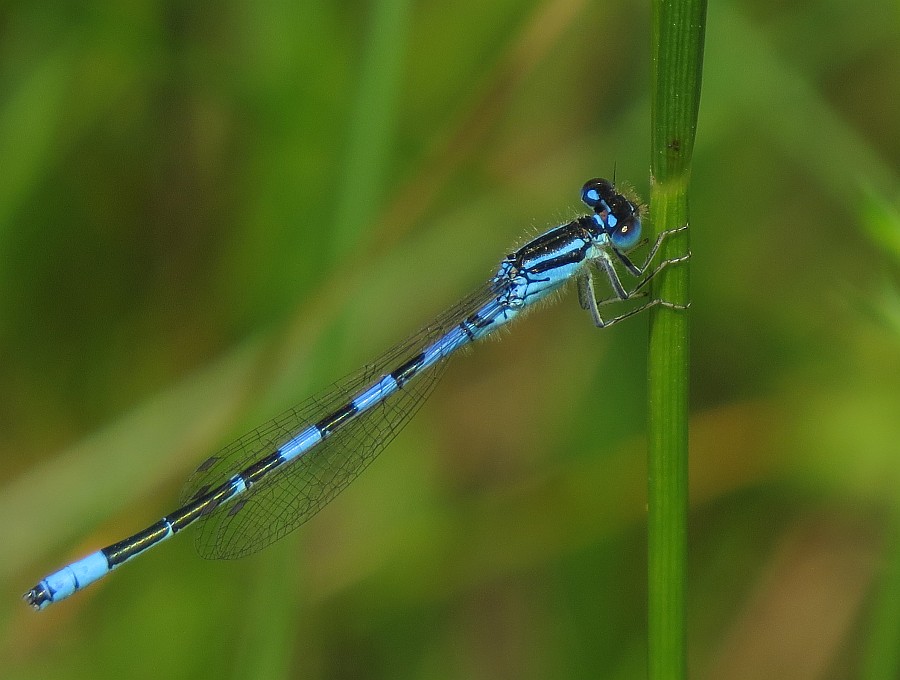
x=210 y=210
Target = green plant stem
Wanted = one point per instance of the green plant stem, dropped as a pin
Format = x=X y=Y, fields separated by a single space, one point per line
x=667 y=470
x=677 y=52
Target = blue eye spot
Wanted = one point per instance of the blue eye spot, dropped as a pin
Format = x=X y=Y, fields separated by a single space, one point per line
x=595 y=191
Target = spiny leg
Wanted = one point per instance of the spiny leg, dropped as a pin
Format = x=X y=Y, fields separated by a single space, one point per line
x=641 y=308
x=588 y=299
x=662 y=265
x=636 y=291
x=639 y=271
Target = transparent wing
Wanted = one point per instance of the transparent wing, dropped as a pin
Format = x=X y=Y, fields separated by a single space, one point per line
x=289 y=496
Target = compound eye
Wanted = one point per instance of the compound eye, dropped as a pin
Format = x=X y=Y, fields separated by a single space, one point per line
x=596 y=192
x=627 y=233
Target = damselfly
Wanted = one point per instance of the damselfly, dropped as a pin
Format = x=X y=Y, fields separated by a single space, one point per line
x=273 y=479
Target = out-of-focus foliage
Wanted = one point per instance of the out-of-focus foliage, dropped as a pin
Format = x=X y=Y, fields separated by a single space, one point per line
x=209 y=210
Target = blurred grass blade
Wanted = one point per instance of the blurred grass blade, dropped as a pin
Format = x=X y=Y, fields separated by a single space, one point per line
x=373 y=121
x=268 y=642
x=882 y=654
x=881 y=222
x=137 y=452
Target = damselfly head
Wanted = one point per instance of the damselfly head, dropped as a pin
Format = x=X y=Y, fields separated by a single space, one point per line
x=614 y=214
